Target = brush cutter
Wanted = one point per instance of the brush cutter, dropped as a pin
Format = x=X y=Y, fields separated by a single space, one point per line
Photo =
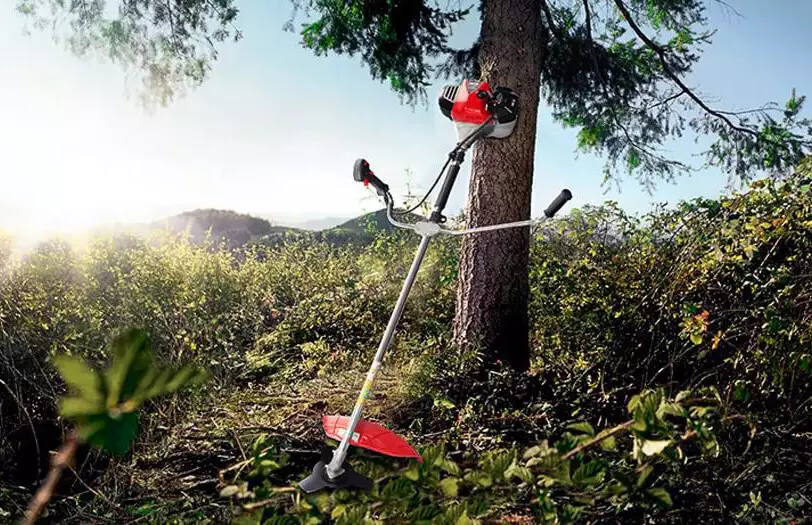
x=478 y=112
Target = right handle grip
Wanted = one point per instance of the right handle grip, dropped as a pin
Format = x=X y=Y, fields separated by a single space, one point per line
x=558 y=203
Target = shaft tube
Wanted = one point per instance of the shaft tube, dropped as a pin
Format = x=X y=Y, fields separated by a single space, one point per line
x=448 y=184
x=334 y=467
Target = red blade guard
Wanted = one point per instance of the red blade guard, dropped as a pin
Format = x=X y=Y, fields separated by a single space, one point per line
x=371 y=436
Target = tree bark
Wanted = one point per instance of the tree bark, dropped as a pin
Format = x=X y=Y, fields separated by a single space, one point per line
x=493 y=290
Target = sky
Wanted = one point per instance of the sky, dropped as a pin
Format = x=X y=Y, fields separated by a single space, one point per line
x=275 y=130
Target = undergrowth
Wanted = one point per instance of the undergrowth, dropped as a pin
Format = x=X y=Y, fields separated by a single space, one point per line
x=673 y=347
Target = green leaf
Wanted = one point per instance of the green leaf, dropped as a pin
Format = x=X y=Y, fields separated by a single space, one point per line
x=157 y=382
x=184 y=377
x=269 y=464
x=413 y=472
x=651 y=447
x=589 y=473
x=465 y=520
x=523 y=473
x=111 y=434
x=229 y=491
x=450 y=487
x=153 y=383
x=672 y=409
x=570 y=512
x=583 y=427
x=633 y=160
x=696 y=338
x=532 y=452
x=451 y=467
x=338 y=511
x=354 y=515
x=80 y=377
x=398 y=489
x=91 y=426
x=479 y=478
x=132 y=359
x=645 y=472
x=476 y=506
x=73 y=407
x=661 y=495
x=608 y=443
x=684 y=394
x=424 y=514
x=444 y=403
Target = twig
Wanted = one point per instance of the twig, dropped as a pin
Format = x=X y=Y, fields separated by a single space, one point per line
x=237 y=439
x=243 y=463
x=181 y=475
x=63 y=458
x=664 y=101
x=597 y=439
x=266 y=502
x=93 y=491
x=30 y=424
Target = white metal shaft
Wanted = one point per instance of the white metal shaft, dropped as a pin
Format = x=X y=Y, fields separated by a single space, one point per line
x=494 y=227
x=531 y=222
x=334 y=468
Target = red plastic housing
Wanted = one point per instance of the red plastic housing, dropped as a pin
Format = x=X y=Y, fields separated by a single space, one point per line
x=468 y=107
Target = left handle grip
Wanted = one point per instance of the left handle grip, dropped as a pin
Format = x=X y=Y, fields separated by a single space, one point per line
x=361 y=172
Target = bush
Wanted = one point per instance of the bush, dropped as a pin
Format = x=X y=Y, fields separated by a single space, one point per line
x=711 y=294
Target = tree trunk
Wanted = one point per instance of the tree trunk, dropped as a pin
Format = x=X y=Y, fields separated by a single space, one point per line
x=493 y=289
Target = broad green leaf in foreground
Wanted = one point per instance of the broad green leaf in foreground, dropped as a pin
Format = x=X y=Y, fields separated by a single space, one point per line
x=82 y=379
x=132 y=360
x=104 y=405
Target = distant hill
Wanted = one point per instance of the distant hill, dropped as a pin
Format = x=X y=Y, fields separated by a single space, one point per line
x=237 y=229
x=241 y=230
x=311 y=224
x=375 y=220
x=358 y=231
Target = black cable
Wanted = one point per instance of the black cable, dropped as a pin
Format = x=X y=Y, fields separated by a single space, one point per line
x=461 y=146
x=426 y=196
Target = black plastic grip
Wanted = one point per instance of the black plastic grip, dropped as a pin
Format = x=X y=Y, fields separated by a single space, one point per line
x=362 y=173
x=558 y=203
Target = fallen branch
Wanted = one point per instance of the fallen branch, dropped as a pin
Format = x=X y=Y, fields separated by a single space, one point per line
x=266 y=502
x=62 y=460
x=598 y=438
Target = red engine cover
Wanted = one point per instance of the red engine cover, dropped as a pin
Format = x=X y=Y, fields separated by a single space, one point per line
x=468 y=107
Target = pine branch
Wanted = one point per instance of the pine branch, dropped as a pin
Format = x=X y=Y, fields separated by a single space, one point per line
x=664 y=101
x=673 y=76
x=599 y=73
x=549 y=16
